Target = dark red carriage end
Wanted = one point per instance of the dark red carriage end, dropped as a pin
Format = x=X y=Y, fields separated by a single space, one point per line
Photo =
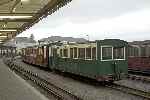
x=139 y=64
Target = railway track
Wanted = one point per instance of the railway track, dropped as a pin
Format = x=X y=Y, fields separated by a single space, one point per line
x=139 y=77
x=57 y=92
x=129 y=90
x=62 y=94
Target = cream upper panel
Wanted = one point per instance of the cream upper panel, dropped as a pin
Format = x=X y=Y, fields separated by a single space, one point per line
x=86 y=45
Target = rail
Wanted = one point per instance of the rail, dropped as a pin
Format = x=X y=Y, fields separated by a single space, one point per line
x=139 y=77
x=56 y=91
x=129 y=90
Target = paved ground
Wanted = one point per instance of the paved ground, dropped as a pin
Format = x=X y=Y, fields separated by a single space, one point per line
x=12 y=87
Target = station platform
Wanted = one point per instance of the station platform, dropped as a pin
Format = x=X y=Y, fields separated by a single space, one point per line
x=12 y=87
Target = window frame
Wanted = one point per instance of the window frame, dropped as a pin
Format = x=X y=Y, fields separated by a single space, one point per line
x=71 y=52
x=67 y=53
x=112 y=53
x=102 y=52
x=86 y=53
x=76 y=52
x=50 y=51
x=44 y=51
x=79 y=53
x=124 y=54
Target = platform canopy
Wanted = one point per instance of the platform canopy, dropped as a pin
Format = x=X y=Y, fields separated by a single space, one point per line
x=18 y=15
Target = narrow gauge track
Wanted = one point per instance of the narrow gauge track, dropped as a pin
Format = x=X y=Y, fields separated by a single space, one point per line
x=118 y=87
x=139 y=77
x=129 y=90
x=57 y=92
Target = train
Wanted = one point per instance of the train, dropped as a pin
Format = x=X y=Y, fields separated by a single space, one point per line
x=101 y=60
x=139 y=58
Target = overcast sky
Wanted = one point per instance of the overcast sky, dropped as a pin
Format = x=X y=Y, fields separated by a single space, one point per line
x=100 y=19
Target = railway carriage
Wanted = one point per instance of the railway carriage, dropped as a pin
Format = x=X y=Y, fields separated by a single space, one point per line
x=27 y=55
x=103 y=60
x=36 y=55
x=42 y=56
x=139 y=59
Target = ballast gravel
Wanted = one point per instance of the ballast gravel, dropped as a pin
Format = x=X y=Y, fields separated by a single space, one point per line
x=79 y=88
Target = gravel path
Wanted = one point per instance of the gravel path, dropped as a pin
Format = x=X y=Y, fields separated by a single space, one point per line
x=81 y=89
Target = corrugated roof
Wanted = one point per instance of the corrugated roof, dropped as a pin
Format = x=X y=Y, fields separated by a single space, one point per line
x=145 y=42
x=20 y=41
x=59 y=38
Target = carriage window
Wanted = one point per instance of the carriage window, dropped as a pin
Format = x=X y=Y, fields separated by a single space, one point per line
x=65 y=52
x=88 y=53
x=45 y=52
x=32 y=51
x=61 y=53
x=118 y=53
x=71 y=52
x=40 y=51
x=106 y=53
x=94 y=53
x=75 y=52
x=82 y=53
x=50 y=51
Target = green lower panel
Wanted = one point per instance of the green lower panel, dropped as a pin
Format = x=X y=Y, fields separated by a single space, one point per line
x=90 y=68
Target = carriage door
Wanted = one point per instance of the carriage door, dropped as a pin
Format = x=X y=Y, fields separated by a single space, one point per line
x=52 y=56
x=119 y=57
x=107 y=56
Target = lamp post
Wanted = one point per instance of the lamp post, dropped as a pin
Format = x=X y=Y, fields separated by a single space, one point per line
x=88 y=37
